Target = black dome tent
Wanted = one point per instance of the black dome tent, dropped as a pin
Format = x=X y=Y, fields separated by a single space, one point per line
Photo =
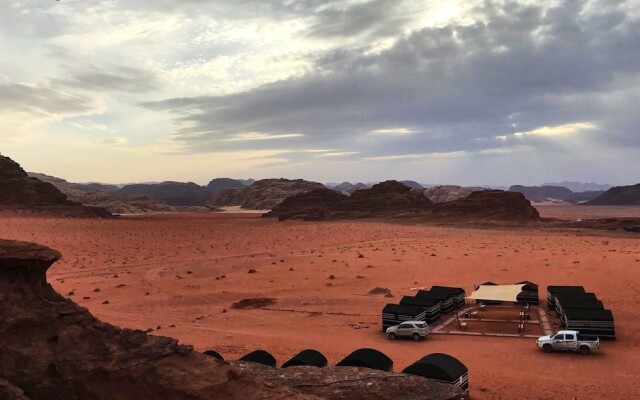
x=260 y=357
x=214 y=354
x=308 y=357
x=367 y=358
x=442 y=368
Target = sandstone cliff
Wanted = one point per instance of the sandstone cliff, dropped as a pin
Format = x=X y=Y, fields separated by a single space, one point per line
x=51 y=348
x=264 y=194
x=18 y=191
x=393 y=199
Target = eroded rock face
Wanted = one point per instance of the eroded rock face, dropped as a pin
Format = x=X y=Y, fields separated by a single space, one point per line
x=618 y=196
x=18 y=191
x=51 y=348
x=264 y=194
x=488 y=204
x=444 y=193
x=384 y=199
x=393 y=199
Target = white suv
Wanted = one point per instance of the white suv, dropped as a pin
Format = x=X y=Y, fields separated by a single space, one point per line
x=410 y=329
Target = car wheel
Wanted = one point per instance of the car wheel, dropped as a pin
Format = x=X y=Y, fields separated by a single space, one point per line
x=416 y=337
x=547 y=348
x=585 y=350
x=392 y=336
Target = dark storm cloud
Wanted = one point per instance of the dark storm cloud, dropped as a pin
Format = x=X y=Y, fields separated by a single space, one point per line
x=456 y=86
x=121 y=78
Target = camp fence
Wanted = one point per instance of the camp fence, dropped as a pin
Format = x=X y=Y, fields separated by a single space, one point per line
x=308 y=357
x=260 y=357
x=529 y=294
x=590 y=322
x=367 y=358
x=395 y=314
x=442 y=368
x=430 y=305
x=553 y=290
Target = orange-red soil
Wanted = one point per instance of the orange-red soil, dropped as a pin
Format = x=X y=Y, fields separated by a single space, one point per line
x=177 y=274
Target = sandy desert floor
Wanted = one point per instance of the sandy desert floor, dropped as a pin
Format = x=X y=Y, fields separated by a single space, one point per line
x=179 y=275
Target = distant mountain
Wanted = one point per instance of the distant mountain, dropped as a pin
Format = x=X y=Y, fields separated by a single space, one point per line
x=74 y=191
x=582 y=197
x=348 y=187
x=218 y=184
x=577 y=187
x=444 y=193
x=413 y=185
x=618 y=196
x=247 y=182
x=542 y=193
x=170 y=193
x=264 y=194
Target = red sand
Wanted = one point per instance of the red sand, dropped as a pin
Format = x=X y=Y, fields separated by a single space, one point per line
x=160 y=271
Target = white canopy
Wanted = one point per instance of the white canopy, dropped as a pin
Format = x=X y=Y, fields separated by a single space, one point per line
x=497 y=292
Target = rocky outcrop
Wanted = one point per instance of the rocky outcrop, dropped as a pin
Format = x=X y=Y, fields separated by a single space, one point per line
x=393 y=199
x=74 y=191
x=618 y=196
x=578 y=187
x=488 y=205
x=388 y=198
x=53 y=349
x=413 y=185
x=264 y=194
x=542 y=193
x=170 y=193
x=219 y=184
x=135 y=204
x=444 y=193
x=348 y=187
x=18 y=191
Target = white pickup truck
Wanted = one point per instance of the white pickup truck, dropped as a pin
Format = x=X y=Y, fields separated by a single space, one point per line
x=568 y=341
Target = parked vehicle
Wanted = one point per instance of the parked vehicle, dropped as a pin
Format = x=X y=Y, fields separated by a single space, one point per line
x=568 y=341
x=416 y=330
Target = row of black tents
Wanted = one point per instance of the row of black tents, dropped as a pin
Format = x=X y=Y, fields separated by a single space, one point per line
x=426 y=305
x=437 y=366
x=581 y=311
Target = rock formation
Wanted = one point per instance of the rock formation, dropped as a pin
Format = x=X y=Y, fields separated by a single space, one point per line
x=134 y=204
x=444 y=193
x=583 y=197
x=618 y=196
x=413 y=185
x=264 y=194
x=393 y=199
x=74 y=191
x=170 y=193
x=348 y=187
x=488 y=205
x=219 y=184
x=53 y=349
x=542 y=193
x=18 y=191
x=383 y=199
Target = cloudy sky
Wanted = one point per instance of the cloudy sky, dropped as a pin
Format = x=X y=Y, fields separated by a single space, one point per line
x=466 y=92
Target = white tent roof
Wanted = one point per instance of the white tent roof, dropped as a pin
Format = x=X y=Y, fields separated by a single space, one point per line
x=497 y=292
